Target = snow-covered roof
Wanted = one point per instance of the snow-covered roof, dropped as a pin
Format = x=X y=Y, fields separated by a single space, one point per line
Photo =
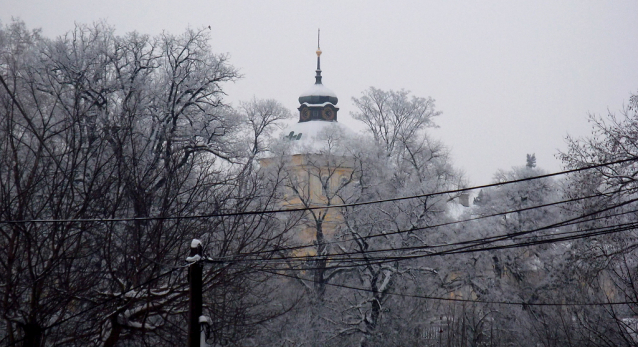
x=318 y=90
x=314 y=136
x=318 y=105
x=313 y=128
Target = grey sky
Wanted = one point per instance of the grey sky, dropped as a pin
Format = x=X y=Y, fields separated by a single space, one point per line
x=511 y=77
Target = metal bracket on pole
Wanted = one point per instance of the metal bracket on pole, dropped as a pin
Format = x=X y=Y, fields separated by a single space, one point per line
x=205 y=324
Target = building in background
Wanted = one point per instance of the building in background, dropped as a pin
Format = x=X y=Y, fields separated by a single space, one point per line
x=315 y=167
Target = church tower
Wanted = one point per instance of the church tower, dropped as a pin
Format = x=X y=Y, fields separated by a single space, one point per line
x=316 y=164
x=318 y=103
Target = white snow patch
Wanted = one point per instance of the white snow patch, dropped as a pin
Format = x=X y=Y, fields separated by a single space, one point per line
x=194 y=258
x=319 y=105
x=386 y=280
x=131 y=294
x=455 y=209
x=534 y=264
x=160 y=292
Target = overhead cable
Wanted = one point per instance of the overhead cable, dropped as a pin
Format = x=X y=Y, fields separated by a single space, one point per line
x=302 y=209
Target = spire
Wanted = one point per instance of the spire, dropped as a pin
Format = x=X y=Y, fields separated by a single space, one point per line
x=318 y=94
x=318 y=76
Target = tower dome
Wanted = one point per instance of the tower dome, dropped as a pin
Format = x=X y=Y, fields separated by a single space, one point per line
x=318 y=94
x=317 y=120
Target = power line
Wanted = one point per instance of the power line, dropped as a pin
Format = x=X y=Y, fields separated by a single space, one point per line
x=308 y=208
x=402 y=231
x=378 y=260
x=601 y=231
x=555 y=225
x=457 y=299
x=358 y=262
x=467 y=244
x=473 y=243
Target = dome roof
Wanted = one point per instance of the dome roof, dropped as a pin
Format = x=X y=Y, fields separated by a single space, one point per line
x=318 y=94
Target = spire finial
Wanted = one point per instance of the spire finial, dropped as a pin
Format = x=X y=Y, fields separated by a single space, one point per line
x=318 y=76
x=318 y=46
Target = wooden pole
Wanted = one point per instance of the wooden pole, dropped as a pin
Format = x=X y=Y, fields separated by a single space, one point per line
x=195 y=282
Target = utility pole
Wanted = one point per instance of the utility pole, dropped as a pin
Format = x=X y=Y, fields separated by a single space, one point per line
x=195 y=284
x=32 y=335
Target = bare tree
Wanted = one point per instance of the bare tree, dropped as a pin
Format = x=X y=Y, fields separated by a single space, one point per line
x=125 y=127
x=263 y=117
x=392 y=116
x=51 y=169
x=605 y=264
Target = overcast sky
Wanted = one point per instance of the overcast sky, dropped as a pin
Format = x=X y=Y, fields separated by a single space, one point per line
x=511 y=77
